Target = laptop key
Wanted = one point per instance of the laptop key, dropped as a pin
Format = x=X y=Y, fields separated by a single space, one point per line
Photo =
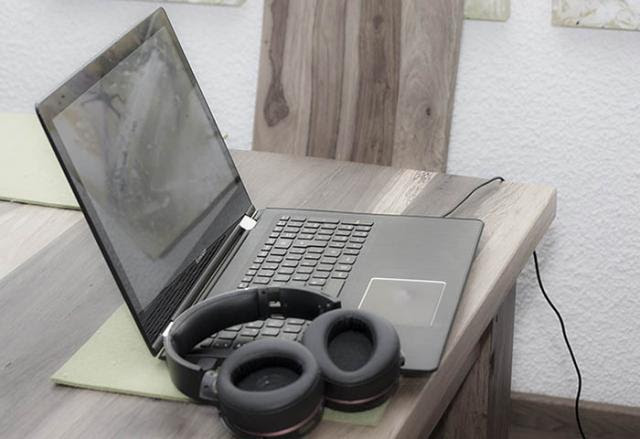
x=350 y=260
x=271 y=323
x=261 y=280
x=278 y=252
x=286 y=270
x=337 y=245
x=357 y=222
x=247 y=279
x=226 y=335
x=251 y=272
x=343 y=267
x=317 y=282
x=296 y=251
x=292 y=329
x=283 y=243
x=243 y=285
x=313 y=256
x=293 y=257
x=334 y=253
x=300 y=277
x=293 y=321
x=305 y=236
x=352 y=252
x=266 y=273
x=327 y=260
x=282 y=278
x=321 y=275
x=270 y=332
x=354 y=246
x=305 y=270
x=360 y=234
x=274 y=259
x=340 y=274
x=357 y=240
x=317 y=250
x=285 y=217
x=324 y=267
x=288 y=263
x=249 y=332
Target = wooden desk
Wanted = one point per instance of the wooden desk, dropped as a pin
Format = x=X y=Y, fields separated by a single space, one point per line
x=56 y=290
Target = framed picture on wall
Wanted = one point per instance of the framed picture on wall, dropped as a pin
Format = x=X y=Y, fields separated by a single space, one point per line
x=601 y=14
x=208 y=2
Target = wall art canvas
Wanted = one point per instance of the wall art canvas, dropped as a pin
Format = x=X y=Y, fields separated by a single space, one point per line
x=496 y=10
x=601 y=14
x=209 y=2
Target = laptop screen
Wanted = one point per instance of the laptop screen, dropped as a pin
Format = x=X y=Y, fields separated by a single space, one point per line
x=152 y=170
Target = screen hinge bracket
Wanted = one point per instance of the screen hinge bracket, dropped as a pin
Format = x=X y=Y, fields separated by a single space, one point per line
x=248 y=223
x=166 y=330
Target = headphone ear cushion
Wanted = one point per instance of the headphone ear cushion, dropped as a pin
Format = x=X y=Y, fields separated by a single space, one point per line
x=270 y=388
x=359 y=356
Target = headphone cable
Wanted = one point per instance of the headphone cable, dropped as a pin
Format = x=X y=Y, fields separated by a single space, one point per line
x=544 y=293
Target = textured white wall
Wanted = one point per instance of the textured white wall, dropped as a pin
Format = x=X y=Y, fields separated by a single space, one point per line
x=44 y=41
x=534 y=103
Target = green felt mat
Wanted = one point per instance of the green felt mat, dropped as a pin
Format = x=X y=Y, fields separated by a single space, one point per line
x=29 y=171
x=116 y=359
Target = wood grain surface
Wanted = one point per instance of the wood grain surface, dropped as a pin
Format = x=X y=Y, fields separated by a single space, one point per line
x=52 y=303
x=369 y=81
x=554 y=417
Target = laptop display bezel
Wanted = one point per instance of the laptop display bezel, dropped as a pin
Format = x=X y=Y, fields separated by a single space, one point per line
x=66 y=94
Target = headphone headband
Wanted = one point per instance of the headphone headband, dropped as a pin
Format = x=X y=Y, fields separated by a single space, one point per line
x=229 y=309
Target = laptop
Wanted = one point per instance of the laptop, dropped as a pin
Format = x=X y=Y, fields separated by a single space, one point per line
x=171 y=215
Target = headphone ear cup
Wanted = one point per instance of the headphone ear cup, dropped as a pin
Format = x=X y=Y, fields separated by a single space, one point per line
x=270 y=388
x=359 y=356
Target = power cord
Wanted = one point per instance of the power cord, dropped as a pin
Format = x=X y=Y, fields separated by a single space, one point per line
x=471 y=193
x=544 y=293
x=566 y=340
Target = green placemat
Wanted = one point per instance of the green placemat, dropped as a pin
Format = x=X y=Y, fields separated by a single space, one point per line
x=116 y=359
x=29 y=170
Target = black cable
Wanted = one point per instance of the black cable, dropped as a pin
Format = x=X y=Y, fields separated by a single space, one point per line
x=566 y=340
x=555 y=310
x=470 y=194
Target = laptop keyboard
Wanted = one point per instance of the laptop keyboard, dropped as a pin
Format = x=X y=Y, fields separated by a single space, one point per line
x=317 y=253
x=309 y=252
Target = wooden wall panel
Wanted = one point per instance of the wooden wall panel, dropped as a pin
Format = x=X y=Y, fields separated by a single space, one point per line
x=369 y=81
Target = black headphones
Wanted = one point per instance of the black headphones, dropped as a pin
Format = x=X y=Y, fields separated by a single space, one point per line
x=348 y=360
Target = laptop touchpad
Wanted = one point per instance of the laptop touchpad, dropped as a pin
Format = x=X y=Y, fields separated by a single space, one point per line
x=404 y=302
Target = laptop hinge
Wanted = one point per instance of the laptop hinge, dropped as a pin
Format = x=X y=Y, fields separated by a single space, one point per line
x=247 y=223
x=167 y=329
